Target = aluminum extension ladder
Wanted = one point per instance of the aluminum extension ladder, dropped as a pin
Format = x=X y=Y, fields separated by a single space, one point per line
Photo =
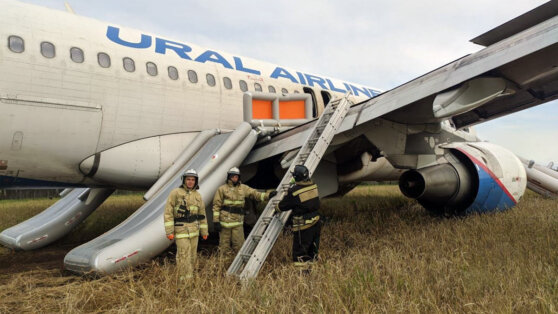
x=259 y=243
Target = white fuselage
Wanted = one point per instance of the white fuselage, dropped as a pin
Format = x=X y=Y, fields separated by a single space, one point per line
x=57 y=111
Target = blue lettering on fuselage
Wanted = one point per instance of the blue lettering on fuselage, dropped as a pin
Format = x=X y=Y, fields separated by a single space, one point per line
x=333 y=88
x=280 y=72
x=213 y=57
x=185 y=52
x=301 y=78
x=113 y=33
x=161 y=46
x=315 y=79
x=356 y=90
x=240 y=67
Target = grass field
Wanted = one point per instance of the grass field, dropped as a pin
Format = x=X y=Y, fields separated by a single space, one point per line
x=379 y=253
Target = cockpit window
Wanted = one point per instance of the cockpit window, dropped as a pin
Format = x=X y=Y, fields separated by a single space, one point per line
x=257 y=87
x=284 y=91
x=16 y=44
x=76 y=54
x=271 y=89
x=47 y=50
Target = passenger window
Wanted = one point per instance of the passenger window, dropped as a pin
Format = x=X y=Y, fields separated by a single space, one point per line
x=173 y=73
x=271 y=89
x=243 y=85
x=76 y=54
x=192 y=76
x=103 y=59
x=210 y=79
x=129 y=64
x=16 y=44
x=284 y=91
x=151 y=68
x=47 y=50
x=257 y=87
x=227 y=82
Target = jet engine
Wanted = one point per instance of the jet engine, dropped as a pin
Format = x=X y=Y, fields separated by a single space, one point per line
x=471 y=177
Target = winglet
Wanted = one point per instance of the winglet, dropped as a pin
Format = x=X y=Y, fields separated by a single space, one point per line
x=518 y=24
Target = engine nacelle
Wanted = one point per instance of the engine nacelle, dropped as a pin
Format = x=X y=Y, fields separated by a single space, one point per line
x=476 y=177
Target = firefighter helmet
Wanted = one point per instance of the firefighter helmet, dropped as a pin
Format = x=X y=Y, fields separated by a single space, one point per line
x=191 y=173
x=300 y=173
x=233 y=171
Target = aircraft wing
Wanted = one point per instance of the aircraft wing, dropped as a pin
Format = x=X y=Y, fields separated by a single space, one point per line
x=517 y=70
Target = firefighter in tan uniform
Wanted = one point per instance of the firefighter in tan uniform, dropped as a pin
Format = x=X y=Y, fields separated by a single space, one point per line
x=184 y=221
x=228 y=210
x=302 y=198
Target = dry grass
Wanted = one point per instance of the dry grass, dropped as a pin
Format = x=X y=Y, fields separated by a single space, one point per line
x=380 y=253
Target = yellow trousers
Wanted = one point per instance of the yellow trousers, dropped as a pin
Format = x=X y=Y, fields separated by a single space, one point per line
x=186 y=254
x=231 y=237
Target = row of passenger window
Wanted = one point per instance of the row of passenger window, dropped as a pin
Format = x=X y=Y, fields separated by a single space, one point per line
x=48 y=50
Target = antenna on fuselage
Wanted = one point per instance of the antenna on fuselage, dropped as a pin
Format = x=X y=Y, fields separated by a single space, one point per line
x=68 y=7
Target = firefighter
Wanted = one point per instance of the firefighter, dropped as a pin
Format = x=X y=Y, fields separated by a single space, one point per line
x=302 y=199
x=184 y=221
x=228 y=210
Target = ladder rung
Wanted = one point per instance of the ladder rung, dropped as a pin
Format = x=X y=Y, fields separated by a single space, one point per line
x=256 y=238
x=246 y=256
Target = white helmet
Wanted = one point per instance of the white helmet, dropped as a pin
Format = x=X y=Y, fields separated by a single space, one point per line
x=233 y=171
x=191 y=173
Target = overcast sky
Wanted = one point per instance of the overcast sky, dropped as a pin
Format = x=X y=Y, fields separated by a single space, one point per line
x=380 y=44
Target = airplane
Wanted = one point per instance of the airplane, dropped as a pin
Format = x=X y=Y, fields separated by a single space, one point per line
x=101 y=107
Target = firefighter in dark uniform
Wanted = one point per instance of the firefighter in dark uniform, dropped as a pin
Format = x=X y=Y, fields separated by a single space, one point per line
x=302 y=199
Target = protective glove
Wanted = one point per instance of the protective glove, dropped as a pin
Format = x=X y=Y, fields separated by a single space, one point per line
x=217 y=226
x=272 y=194
x=170 y=236
x=204 y=237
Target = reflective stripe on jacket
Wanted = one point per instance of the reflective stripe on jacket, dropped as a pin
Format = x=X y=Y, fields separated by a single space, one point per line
x=228 y=203
x=180 y=199
x=302 y=198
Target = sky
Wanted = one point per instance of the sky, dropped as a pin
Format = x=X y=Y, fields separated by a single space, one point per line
x=380 y=44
